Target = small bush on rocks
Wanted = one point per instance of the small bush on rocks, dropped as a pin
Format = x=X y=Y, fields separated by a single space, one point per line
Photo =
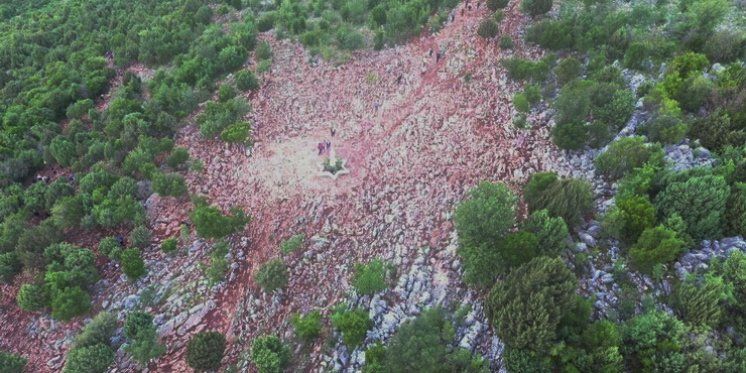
x=273 y=275
x=353 y=324
x=205 y=351
x=269 y=354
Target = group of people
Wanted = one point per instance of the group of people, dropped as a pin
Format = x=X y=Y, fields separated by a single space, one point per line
x=326 y=145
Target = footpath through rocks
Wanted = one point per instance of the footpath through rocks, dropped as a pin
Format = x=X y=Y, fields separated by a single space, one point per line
x=416 y=131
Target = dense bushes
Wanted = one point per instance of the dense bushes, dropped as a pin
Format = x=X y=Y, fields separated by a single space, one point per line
x=494 y=5
x=211 y=223
x=425 y=345
x=570 y=199
x=701 y=302
x=589 y=111
x=92 y=359
x=486 y=215
x=11 y=363
x=246 y=80
x=205 y=350
x=527 y=306
x=170 y=184
x=655 y=246
x=699 y=200
x=626 y=154
x=219 y=116
x=482 y=221
x=536 y=7
x=551 y=232
x=629 y=217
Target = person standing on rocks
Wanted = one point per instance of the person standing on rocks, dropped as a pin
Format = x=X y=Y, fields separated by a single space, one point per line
x=320 y=146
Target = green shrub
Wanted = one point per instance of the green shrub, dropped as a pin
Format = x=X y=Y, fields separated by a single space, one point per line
x=269 y=354
x=93 y=359
x=520 y=360
x=665 y=129
x=178 y=157
x=570 y=199
x=486 y=215
x=32 y=297
x=527 y=306
x=532 y=93
x=630 y=216
x=568 y=69
x=169 y=184
x=99 y=331
x=132 y=264
x=205 y=350
x=652 y=338
x=226 y=92
x=246 y=80
x=265 y=22
x=218 y=116
x=506 y=42
x=11 y=363
x=552 y=34
x=701 y=302
x=239 y=132
x=143 y=339
x=520 y=69
x=570 y=136
x=699 y=200
x=715 y=131
x=10 y=265
x=169 y=245
x=273 y=275
x=517 y=248
x=521 y=103
x=292 y=244
x=734 y=273
x=110 y=247
x=140 y=236
x=370 y=278
x=218 y=263
x=353 y=324
x=536 y=7
x=488 y=28
x=211 y=223
x=655 y=246
x=308 y=326
x=551 y=232
x=626 y=154
x=482 y=221
x=424 y=344
x=263 y=51
x=70 y=302
x=494 y=5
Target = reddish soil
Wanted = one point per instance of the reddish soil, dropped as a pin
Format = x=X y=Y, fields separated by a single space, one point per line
x=413 y=149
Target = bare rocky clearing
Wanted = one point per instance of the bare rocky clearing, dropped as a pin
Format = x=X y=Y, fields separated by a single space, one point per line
x=413 y=148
